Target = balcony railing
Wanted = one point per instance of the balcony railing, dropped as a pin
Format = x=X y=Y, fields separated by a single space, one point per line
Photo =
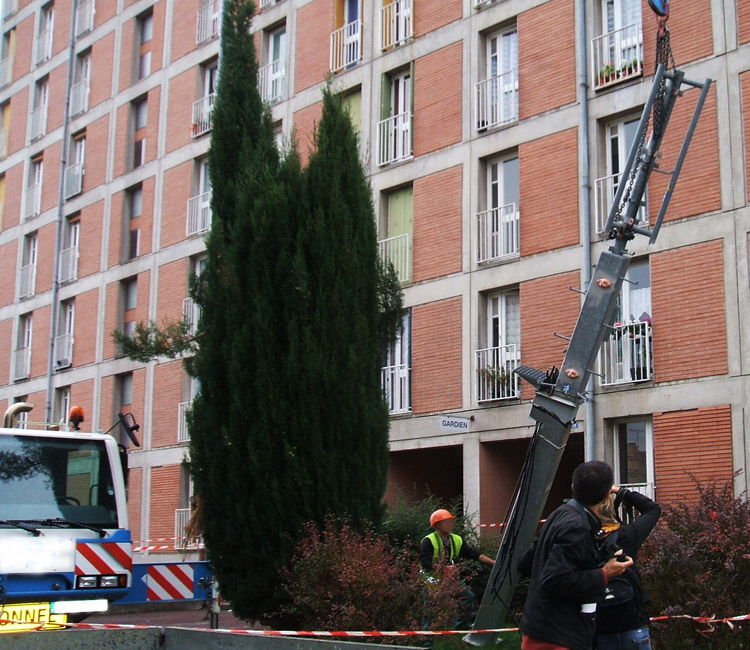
x=267 y=3
x=642 y=488
x=183 y=435
x=27 y=281
x=495 y=377
x=627 y=355
x=38 y=122
x=199 y=214
x=69 y=264
x=396 y=27
x=617 y=55
x=346 y=46
x=79 y=97
x=605 y=189
x=73 y=180
x=481 y=4
x=272 y=81
x=84 y=17
x=64 y=351
x=22 y=363
x=498 y=233
x=6 y=70
x=33 y=200
x=202 y=110
x=397 y=251
x=394 y=136
x=497 y=100
x=209 y=21
x=191 y=314
x=43 y=46
x=181 y=519
x=395 y=381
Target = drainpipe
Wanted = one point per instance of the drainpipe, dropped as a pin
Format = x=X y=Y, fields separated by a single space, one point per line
x=584 y=195
x=59 y=228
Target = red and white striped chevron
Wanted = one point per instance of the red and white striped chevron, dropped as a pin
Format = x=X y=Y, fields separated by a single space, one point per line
x=105 y=558
x=169 y=582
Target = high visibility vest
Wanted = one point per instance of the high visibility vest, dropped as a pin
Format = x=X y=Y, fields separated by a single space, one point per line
x=437 y=546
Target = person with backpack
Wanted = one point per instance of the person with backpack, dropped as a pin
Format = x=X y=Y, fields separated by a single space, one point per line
x=622 y=618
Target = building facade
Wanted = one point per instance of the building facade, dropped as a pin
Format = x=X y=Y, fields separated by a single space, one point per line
x=495 y=134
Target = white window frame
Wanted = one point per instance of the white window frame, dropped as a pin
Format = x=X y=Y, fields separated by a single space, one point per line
x=649 y=443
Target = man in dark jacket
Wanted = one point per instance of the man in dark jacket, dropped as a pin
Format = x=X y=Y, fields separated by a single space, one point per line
x=567 y=575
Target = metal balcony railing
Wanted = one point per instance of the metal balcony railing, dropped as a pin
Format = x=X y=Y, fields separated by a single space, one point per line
x=605 y=189
x=397 y=251
x=43 y=46
x=63 y=351
x=199 y=214
x=498 y=233
x=22 y=363
x=617 y=55
x=642 y=488
x=267 y=3
x=79 y=97
x=33 y=197
x=272 y=81
x=181 y=519
x=38 y=122
x=346 y=46
x=627 y=355
x=183 y=435
x=191 y=314
x=202 y=110
x=495 y=379
x=496 y=100
x=73 y=180
x=209 y=21
x=27 y=281
x=394 y=138
x=6 y=70
x=396 y=384
x=396 y=27
x=84 y=17
x=69 y=264
x=481 y=4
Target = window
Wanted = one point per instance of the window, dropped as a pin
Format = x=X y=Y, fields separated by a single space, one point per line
x=140 y=120
x=498 y=226
x=46 y=31
x=346 y=39
x=39 y=111
x=4 y=125
x=209 y=21
x=272 y=75
x=396 y=371
x=62 y=405
x=64 y=338
x=145 y=33
x=203 y=107
x=23 y=417
x=84 y=20
x=394 y=128
x=69 y=253
x=131 y=222
x=130 y=301
x=134 y=201
x=74 y=171
x=134 y=243
x=396 y=246
x=27 y=286
x=79 y=96
x=395 y=23
x=22 y=359
x=502 y=336
x=33 y=193
x=140 y=113
x=497 y=94
x=6 y=63
x=634 y=455
x=199 y=205
x=125 y=389
x=618 y=52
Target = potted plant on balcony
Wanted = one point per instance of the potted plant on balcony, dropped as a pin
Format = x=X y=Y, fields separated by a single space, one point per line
x=607 y=73
x=497 y=382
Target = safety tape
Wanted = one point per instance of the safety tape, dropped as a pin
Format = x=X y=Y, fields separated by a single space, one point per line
x=500 y=525
x=166 y=547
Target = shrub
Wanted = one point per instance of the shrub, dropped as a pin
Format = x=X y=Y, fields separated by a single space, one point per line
x=696 y=562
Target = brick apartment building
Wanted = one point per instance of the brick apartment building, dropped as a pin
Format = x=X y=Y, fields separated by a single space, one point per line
x=494 y=132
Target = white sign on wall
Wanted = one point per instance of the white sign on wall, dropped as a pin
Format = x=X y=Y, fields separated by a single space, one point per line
x=454 y=424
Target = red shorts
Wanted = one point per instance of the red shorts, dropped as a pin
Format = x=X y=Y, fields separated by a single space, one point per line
x=530 y=643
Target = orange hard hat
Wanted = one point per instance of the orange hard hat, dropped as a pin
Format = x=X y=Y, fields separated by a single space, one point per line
x=440 y=515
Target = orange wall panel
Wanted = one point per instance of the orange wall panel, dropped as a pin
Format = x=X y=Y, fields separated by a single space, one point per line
x=89 y=261
x=165 y=499
x=184 y=26
x=168 y=377
x=86 y=323
x=102 y=62
x=182 y=94
x=304 y=129
x=433 y=14
x=15 y=182
x=314 y=28
x=690 y=30
x=19 y=114
x=95 y=165
x=178 y=188
x=8 y=266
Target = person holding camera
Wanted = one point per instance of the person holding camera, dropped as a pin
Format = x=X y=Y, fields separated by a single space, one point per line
x=622 y=619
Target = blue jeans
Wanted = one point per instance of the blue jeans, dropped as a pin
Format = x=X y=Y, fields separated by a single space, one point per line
x=637 y=639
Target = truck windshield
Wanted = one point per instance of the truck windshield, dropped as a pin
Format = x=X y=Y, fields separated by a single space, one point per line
x=49 y=478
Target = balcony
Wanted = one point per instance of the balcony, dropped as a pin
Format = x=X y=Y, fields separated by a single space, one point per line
x=63 y=351
x=627 y=355
x=199 y=214
x=396 y=384
x=33 y=197
x=191 y=314
x=38 y=122
x=617 y=56
x=43 y=46
x=73 y=180
x=209 y=22
x=84 y=17
x=181 y=520
x=6 y=70
x=394 y=137
x=646 y=489
x=346 y=46
x=498 y=233
x=481 y=4
x=79 y=97
x=397 y=251
x=605 y=189
x=272 y=82
x=69 y=264
x=22 y=363
x=183 y=435
x=202 y=110
x=496 y=100
x=495 y=377
x=27 y=281
x=395 y=24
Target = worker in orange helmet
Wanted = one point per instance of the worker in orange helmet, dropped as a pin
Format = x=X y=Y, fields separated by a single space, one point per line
x=442 y=547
